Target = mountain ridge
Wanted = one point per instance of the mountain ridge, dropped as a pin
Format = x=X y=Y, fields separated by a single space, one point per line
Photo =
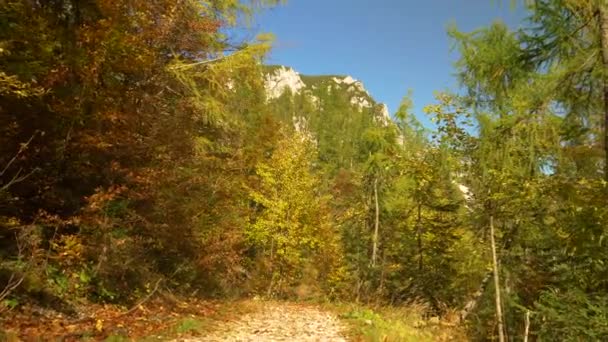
x=280 y=78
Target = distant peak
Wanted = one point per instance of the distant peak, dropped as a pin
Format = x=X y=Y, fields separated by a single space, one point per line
x=279 y=78
x=348 y=80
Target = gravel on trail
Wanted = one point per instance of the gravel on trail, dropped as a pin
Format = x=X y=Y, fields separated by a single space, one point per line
x=279 y=322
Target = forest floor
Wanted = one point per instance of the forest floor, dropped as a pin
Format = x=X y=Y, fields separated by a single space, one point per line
x=243 y=320
x=280 y=322
x=175 y=320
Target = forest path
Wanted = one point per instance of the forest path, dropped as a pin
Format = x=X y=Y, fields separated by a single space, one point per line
x=279 y=322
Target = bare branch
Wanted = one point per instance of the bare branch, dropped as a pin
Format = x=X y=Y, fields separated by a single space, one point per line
x=22 y=149
x=17 y=177
x=145 y=299
x=13 y=281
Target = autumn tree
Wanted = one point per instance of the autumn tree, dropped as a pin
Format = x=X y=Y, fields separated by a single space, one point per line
x=125 y=100
x=537 y=131
x=292 y=230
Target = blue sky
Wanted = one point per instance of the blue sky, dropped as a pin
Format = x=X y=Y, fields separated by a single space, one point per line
x=390 y=45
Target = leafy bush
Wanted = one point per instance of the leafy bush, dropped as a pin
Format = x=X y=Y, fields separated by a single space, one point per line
x=572 y=315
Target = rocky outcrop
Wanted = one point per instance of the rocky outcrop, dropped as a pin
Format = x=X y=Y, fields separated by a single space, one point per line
x=281 y=79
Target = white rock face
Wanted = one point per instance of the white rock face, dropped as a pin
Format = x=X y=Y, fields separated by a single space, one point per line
x=281 y=79
x=385 y=116
x=400 y=140
x=359 y=86
x=360 y=102
x=346 y=80
x=385 y=112
x=466 y=192
x=300 y=124
x=286 y=78
x=315 y=101
x=352 y=83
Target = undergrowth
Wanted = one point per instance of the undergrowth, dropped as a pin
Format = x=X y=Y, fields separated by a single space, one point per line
x=403 y=324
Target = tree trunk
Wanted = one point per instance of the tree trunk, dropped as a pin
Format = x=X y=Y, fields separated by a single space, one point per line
x=527 y=326
x=603 y=18
x=269 y=291
x=359 y=280
x=419 y=237
x=472 y=303
x=501 y=336
x=376 y=224
x=380 y=290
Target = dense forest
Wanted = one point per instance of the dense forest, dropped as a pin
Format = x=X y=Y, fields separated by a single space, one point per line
x=141 y=147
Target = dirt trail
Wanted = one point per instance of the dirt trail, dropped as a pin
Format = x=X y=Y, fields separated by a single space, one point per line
x=279 y=322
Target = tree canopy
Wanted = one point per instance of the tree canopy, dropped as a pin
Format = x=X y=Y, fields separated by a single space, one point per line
x=139 y=145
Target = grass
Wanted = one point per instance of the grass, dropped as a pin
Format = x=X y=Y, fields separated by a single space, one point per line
x=8 y=336
x=388 y=324
x=198 y=325
x=116 y=338
x=189 y=325
x=185 y=326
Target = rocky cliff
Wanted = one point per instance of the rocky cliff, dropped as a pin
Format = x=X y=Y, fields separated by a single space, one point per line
x=280 y=79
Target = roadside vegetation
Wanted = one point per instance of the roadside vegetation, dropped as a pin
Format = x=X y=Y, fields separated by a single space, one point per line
x=146 y=176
